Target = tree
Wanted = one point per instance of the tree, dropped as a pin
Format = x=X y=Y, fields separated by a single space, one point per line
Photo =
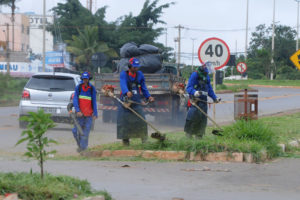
x=70 y=17
x=38 y=125
x=85 y=45
x=260 y=49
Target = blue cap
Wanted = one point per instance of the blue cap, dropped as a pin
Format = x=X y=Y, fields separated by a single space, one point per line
x=85 y=75
x=134 y=62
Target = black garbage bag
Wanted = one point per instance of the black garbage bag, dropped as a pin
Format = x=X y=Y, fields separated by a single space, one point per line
x=149 y=49
x=129 y=50
x=150 y=63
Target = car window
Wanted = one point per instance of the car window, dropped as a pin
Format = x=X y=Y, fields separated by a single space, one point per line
x=51 y=83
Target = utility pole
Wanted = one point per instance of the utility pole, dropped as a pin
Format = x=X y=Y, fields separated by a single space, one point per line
x=193 y=39
x=297 y=41
x=44 y=35
x=246 y=42
x=7 y=50
x=89 y=5
x=166 y=39
x=273 y=43
x=13 y=8
x=179 y=45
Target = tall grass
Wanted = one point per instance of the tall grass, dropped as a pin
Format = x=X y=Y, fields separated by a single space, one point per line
x=244 y=136
x=32 y=187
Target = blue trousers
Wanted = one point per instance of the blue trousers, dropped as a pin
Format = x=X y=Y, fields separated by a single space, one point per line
x=86 y=124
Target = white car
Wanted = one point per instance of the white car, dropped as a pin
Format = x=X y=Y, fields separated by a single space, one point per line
x=51 y=92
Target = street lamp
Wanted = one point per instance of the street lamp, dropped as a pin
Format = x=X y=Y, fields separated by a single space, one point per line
x=297 y=41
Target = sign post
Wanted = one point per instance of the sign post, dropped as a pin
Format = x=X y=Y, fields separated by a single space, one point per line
x=216 y=51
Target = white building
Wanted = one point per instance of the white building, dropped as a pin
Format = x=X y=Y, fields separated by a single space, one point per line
x=36 y=34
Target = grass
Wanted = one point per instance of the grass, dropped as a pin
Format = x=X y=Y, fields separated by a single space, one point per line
x=248 y=137
x=232 y=88
x=287 y=127
x=265 y=82
x=11 y=90
x=32 y=187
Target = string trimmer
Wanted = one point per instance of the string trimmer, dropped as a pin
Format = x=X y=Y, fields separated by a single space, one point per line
x=108 y=90
x=73 y=116
x=180 y=90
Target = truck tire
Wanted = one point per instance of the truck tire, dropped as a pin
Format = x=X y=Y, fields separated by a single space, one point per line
x=106 y=118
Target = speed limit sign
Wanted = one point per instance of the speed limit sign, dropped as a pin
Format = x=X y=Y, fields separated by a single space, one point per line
x=215 y=51
x=241 y=67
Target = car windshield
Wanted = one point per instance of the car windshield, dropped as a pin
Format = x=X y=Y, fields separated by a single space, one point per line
x=51 y=83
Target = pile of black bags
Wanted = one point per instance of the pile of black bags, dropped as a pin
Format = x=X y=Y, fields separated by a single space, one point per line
x=149 y=56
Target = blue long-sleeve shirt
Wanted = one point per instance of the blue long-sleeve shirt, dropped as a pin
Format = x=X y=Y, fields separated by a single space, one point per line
x=193 y=84
x=80 y=101
x=140 y=79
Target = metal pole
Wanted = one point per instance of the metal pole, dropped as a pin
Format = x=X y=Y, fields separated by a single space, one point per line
x=193 y=39
x=297 y=41
x=166 y=39
x=44 y=35
x=246 y=40
x=214 y=88
x=273 y=42
x=179 y=42
x=7 y=50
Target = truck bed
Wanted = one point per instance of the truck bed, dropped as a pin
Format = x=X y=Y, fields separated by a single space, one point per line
x=156 y=83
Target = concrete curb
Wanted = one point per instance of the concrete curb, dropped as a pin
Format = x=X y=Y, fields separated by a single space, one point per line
x=173 y=155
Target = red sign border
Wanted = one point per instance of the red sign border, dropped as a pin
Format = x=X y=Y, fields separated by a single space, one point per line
x=220 y=40
x=239 y=70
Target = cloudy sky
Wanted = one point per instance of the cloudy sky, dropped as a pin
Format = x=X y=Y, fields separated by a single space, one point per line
x=202 y=19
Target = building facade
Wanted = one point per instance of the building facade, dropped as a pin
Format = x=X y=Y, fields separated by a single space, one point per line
x=19 y=41
x=36 y=34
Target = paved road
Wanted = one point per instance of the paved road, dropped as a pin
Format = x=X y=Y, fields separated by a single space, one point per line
x=163 y=181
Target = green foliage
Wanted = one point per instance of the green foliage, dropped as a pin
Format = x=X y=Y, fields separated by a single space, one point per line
x=11 y=89
x=259 y=58
x=31 y=187
x=85 y=45
x=72 y=16
x=34 y=135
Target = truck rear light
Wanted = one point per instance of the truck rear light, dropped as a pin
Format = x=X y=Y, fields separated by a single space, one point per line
x=26 y=95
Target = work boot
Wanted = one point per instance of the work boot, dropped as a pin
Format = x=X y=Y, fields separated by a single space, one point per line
x=126 y=142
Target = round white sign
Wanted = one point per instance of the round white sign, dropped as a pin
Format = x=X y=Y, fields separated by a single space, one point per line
x=241 y=67
x=215 y=51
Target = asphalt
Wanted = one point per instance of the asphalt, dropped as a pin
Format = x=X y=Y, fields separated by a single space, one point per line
x=277 y=180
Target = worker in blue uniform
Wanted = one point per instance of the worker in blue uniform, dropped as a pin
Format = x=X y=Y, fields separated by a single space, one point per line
x=132 y=83
x=199 y=88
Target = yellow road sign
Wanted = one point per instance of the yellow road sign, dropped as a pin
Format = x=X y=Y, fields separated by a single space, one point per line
x=295 y=58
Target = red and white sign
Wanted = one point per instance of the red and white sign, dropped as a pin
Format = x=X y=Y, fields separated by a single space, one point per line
x=241 y=67
x=215 y=51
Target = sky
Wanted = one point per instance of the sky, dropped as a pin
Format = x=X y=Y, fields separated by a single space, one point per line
x=201 y=19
